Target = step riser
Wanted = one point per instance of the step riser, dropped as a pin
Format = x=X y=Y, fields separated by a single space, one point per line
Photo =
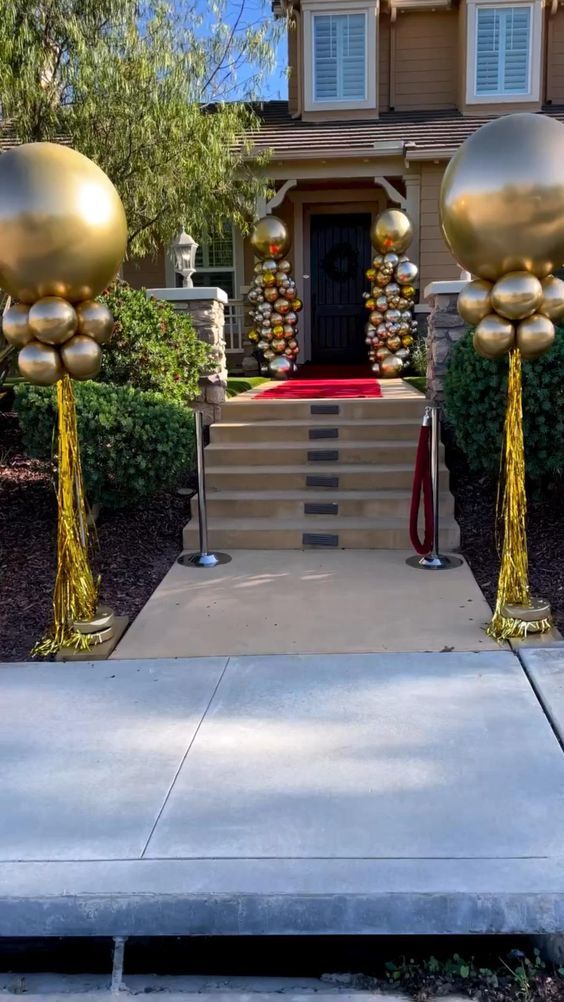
x=289 y=539
x=219 y=455
x=298 y=410
x=359 y=432
x=373 y=508
x=246 y=480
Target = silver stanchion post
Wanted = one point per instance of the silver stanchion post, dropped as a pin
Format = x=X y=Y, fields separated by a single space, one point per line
x=435 y=560
x=203 y=558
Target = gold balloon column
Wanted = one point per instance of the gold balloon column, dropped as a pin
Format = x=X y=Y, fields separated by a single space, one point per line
x=502 y=214
x=63 y=235
x=273 y=298
x=390 y=327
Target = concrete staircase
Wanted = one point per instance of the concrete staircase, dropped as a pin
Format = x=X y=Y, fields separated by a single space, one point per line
x=295 y=474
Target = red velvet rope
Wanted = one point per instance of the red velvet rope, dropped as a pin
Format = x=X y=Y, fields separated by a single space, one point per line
x=422 y=483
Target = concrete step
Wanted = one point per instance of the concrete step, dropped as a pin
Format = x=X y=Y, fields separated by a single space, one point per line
x=315 y=454
x=317 y=429
x=315 y=476
x=298 y=534
x=310 y=504
x=248 y=409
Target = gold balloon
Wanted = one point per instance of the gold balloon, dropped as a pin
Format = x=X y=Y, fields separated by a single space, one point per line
x=270 y=238
x=517 y=295
x=474 y=302
x=534 y=336
x=502 y=198
x=15 y=325
x=96 y=320
x=52 y=320
x=552 y=305
x=394 y=342
x=391 y=231
x=82 y=357
x=390 y=366
x=494 y=336
x=63 y=230
x=406 y=272
x=40 y=363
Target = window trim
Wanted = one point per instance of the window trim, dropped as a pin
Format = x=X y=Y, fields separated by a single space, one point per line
x=370 y=11
x=535 y=47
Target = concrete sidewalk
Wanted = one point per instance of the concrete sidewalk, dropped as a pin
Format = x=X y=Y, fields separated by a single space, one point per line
x=309 y=602
x=342 y=794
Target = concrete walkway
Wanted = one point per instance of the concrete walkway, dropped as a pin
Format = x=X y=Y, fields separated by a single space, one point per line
x=359 y=793
x=309 y=602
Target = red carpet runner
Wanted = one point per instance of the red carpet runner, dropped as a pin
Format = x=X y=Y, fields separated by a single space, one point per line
x=325 y=382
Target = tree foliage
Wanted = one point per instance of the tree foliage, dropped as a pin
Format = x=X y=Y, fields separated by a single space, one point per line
x=145 y=88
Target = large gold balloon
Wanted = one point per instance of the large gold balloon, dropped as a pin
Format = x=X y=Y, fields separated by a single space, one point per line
x=40 y=363
x=553 y=298
x=63 y=230
x=391 y=231
x=534 y=336
x=494 y=336
x=15 y=325
x=52 y=320
x=270 y=238
x=474 y=301
x=82 y=357
x=96 y=320
x=502 y=198
x=390 y=366
x=517 y=295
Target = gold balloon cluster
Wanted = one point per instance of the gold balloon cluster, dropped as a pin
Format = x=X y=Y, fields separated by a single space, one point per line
x=390 y=327
x=273 y=298
x=502 y=214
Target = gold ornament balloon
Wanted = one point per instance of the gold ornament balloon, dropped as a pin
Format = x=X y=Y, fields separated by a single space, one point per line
x=406 y=272
x=96 y=320
x=15 y=325
x=517 y=295
x=494 y=336
x=391 y=231
x=81 y=357
x=63 y=230
x=474 y=301
x=40 y=364
x=534 y=336
x=390 y=366
x=552 y=305
x=52 y=320
x=270 y=239
x=502 y=198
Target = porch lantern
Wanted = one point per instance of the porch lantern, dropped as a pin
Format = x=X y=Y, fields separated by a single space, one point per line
x=185 y=247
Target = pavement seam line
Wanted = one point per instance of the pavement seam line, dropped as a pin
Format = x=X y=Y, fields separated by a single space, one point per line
x=537 y=690
x=184 y=757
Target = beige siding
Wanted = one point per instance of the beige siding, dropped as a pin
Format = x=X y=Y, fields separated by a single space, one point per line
x=426 y=60
x=555 y=59
x=436 y=262
x=384 y=64
x=148 y=273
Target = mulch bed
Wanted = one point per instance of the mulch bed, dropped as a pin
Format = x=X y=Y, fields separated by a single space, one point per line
x=135 y=548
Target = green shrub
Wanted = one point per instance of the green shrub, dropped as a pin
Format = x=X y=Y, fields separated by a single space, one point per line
x=132 y=444
x=153 y=347
x=475 y=397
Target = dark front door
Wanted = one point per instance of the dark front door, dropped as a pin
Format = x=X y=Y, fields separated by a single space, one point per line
x=340 y=254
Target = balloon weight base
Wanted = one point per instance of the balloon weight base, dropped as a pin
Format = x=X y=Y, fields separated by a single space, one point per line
x=434 y=562
x=204 y=559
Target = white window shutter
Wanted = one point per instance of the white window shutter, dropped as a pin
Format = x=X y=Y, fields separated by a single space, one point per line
x=503 y=43
x=517 y=49
x=339 y=57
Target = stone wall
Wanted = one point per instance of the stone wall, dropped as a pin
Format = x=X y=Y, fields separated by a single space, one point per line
x=206 y=307
x=445 y=327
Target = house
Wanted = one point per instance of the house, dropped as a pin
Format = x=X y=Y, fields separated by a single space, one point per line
x=381 y=94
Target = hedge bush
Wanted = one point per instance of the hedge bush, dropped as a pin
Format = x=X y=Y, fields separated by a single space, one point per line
x=475 y=396
x=133 y=444
x=153 y=347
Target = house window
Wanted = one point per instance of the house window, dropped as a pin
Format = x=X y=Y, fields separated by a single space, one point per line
x=339 y=57
x=504 y=51
x=215 y=262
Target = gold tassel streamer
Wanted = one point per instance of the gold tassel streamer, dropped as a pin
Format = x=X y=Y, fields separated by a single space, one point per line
x=513 y=582
x=75 y=593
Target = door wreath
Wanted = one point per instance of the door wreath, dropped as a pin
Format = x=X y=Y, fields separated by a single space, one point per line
x=340 y=264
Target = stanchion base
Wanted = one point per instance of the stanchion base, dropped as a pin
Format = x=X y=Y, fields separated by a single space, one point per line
x=203 y=559
x=434 y=562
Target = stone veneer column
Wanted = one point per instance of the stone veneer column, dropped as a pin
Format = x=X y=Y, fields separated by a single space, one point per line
x=445 y=328
x=206 y=307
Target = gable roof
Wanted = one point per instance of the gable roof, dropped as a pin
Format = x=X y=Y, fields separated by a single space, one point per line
x=416 y=135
